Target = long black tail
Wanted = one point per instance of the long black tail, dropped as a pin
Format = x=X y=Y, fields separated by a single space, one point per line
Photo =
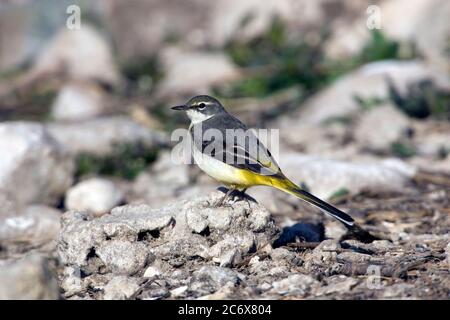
x=289 y=187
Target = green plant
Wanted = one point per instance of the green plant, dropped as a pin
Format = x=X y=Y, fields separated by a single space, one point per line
x=142 y=73
x=275 y=60
x=403 y=150
x=339 y=193
x=370 y=102
x=126 y=161
x=443 y=152
x=422 y=100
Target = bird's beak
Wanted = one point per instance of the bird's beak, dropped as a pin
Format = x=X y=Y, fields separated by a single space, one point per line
x=182 y=107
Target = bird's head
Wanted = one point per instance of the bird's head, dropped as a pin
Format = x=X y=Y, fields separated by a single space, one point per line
x=200 y=108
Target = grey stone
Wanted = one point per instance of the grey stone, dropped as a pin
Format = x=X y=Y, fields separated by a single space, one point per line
x=353 y=257
x=430 y=38
x=121 y=288
x=325 y=177
x=324 y=254
x=399 y=290
x=368 y=81
x=202 y=70
x=177 y=292
x=221 y=220
x=72 y=282
x=337 y=284
x=165 y=182
x=154 y=294
x=230 y=258
x=217 y=276
x=196 y=221
x=69 y=51
x=296 y=284
x=229 y=251
x=36 y=226
x=141 y=241
x=34 y=167
x=96 y=195
x=380 y=127
x=28 y=279
x=100 y=136
x=284 y=255
x=79 y=101
x=123 y=257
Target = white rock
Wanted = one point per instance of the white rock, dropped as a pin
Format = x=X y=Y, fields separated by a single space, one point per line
x=200 y=71
x=196 y=221
x=72 y=281
x=353 y=257
x=337 y=284
x=99 y=136
x=217 y=275
x=414 y=25
x=166 y=181
x=150 y=23
x=122 y=257
x=178 y=291
x=34 y=168
x=310 y=137
x=297 y=284
x=36 y=226
x=151 y=272
x=213 y=23
x=380 y=127
x=78 y=102
x=432 y=38
x=28 y=279
x=324 y=254
x=229 y=14
x=134 y=237
x=430 y=137
x=367 y=82
x=324 y=176
x=8 y=206
x=13 y=33
x=82 y=55
x=121 y=288
x=96 y=195
x=230 y=249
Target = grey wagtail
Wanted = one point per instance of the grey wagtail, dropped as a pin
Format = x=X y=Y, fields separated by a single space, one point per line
x=242 y=162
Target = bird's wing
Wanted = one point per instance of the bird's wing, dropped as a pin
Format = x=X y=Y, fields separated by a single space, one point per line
x=227 y=139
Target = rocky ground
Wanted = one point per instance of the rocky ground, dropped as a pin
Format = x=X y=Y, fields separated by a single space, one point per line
x=92 y=205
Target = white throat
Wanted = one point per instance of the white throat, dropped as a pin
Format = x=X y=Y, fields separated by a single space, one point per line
x=197 y=117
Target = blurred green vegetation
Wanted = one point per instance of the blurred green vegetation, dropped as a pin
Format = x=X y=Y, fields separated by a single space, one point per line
x=403 y=150
x=275 y=61
x=370 y=102
x=126 y=161
x=339 y=194
x=443 y=152
x=422 y=99
x=141 y=74
x=32 y=105
x=338 y=119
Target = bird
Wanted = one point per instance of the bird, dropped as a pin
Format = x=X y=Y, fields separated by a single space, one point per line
x=225 y=149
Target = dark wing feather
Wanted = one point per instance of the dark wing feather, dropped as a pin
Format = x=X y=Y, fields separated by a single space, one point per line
x=242 y=150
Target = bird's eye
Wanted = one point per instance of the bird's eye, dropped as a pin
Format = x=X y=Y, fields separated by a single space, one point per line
x=201 y=106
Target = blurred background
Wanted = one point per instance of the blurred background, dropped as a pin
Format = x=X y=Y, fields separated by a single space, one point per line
x=360 y=91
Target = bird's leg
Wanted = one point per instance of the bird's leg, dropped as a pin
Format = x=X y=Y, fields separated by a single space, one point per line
x=222 y=200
